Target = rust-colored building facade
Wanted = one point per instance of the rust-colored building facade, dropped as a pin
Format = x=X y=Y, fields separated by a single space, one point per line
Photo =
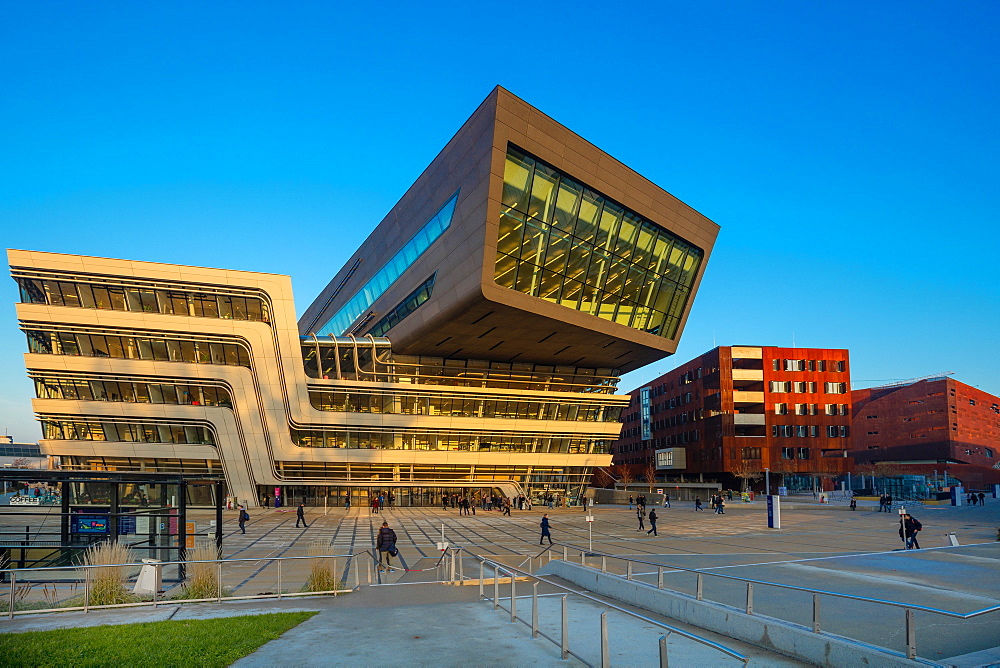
x=743 y=409
x=930 y=425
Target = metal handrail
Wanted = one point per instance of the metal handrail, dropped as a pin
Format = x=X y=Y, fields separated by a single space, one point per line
x=497 y=566
x=898 y=604
x=185 y=562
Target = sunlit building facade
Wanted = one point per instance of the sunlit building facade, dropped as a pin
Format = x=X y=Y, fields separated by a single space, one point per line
x=472 y=344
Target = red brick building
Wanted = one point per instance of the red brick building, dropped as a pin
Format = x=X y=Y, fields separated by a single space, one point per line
x=930 y=425
x=743 y=409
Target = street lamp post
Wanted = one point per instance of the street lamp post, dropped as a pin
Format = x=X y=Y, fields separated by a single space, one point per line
x=767 y=481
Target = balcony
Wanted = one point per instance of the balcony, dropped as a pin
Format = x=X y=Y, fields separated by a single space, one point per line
x=743 y=397
x=748 y=419
x=748 y=374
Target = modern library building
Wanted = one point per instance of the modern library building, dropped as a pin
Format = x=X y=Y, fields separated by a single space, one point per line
x=471 y=345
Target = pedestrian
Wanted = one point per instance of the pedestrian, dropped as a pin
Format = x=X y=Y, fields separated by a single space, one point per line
x=375 y=505
x=300 y=515
x=583 y=502
x=888 y=503
x=881 y=502
x=385 y=543
x=729 y=494
x=697 y=504
x=641 y=517
x=854 y=503
x=652 y=522
x=545 y=529
x=347 y=502
x=506 y=506
x=630 y=500
x=982 y=499
x=392 y=499
x=244 y=517
x=444 y=502
x=666 y=500
x=721 y=507
x=908 y=528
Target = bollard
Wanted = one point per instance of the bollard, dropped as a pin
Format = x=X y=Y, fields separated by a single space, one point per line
x=357 y=572
x=628 y=570
x=220 y=582
x=513 y=600
x=482 y=572
x=534 y=610
x=530 y=564
x=461 y=566
x=659 y=577
x=565 y=553
x=279 y=578
x=368 y=567
x=605 y=652
x=583 y=558
x=451 y=579
x=663 y=652
x=496 y=586
x=697 y=588
x=749 y=598
x=565 y=629
x=86 y=589
x=815 y=613
x=604 y=564
x=911 y=636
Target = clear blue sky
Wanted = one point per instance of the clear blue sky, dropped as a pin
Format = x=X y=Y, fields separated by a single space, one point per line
x=848 y=150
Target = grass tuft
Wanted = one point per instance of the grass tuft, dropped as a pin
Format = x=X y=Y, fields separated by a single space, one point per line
x=202 y=579
x=108 y=584
x=321 y=571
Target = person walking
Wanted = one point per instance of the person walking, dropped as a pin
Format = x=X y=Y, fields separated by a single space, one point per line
x=375 y=505
x=697 y=504
x=300 y=515
x=385 y=543
x=545 y=530
x=666 y=500
x=506 y=506
x=881 y=502
x=854 y=503
x=244 y=517
x=888 y=503
x=641 y=517
x=909 y=526
x=347 y=502
x=982 y=499
x=720 y=507
x=652 y=522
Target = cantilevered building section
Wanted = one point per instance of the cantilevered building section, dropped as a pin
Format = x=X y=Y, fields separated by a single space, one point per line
x=471 y=345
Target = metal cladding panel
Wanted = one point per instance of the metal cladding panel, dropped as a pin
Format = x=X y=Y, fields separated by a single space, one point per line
x=469 y=315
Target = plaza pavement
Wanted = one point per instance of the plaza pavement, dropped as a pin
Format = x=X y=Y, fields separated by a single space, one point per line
x=824 y=544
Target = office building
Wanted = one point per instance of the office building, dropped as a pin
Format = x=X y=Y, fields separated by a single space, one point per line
x=929 y=427
x=473 y=343
x=737 y=412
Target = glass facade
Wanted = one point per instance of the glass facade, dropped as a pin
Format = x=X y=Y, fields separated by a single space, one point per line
x=342 y=320
x=412 y=302
x=570 y=245
x=87 y=389
x=426 y=403
x=346 y=359
x=130 y=432
x=443 y=440
x=137 y=348
x=119 y=297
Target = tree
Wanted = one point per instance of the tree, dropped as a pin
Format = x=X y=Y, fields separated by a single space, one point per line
x=649 y=474
x=603 y=477
x=625 y=474
x=748 y=471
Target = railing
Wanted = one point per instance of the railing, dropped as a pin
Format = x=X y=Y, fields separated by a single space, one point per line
x=286 y=574
x=909 y=608
x=453 y=562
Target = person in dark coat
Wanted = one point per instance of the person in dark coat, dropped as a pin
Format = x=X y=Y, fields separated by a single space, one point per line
x=385 y=543
x=244 y=516
x=545 y=529
x=300 y=516
x=641 y=517
x=652 y=522
x=908 y=528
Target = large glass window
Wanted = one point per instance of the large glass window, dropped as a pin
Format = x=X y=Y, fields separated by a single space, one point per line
x=134 y=298
x=565 y=243
x=130 y=347
x=390 y=271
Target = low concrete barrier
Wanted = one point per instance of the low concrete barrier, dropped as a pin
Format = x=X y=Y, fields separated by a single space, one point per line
x=776 y=635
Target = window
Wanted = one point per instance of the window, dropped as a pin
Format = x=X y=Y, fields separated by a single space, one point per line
x=821 y=365
x=813 y=409
x=813 y=431
x=801 y=409
x=788 y=453
x=831 y=409
x=844 y=409
x=972 y=402
x=840 y=366
x=801 y=431
x=871 y=417
x=832 y=431
x=781 y=409
x=775 y=364
x=750 y=453
x=794 y=365
x=835 y=388
x=812 y=365
x=788 y=431
x=780 y=386
x=803 y=453
x=799 y=386
x=844 y=431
